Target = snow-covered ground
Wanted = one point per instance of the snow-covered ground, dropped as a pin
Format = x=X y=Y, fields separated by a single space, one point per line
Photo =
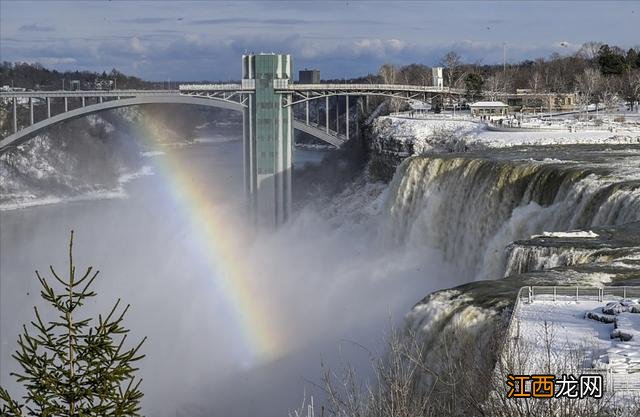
x=427 y=133
x=581 y=330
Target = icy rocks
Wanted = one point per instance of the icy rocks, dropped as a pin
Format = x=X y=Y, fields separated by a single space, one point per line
x=611 y=313
x=605 y=318
x=617 y=307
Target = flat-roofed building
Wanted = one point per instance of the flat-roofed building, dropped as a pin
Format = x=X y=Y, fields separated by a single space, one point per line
x=489 y=108
x=527 y=101
x=309 y=76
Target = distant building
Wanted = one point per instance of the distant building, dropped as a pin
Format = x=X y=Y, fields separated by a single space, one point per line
x=438 y=79
x=9 y=88
x=307 y=76
x=74 y=85
x=527 y=101
x=489 y=108
x=103 y=84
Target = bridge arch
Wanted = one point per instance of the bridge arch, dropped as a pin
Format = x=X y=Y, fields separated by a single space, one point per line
x=26 y=133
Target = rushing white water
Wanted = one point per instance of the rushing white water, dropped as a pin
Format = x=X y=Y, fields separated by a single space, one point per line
x=472 y=207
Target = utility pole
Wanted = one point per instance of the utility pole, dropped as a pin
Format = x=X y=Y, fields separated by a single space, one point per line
x=504 y=66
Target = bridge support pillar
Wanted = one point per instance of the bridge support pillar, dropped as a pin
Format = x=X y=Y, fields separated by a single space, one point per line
x=30 y=111
x=15 y=115
x=48 y=107
x=307 y=111
x=66 y=104
x=326 y=114
x=337 y=115
x=268 y=139
x=83 y=101
x=347 y=116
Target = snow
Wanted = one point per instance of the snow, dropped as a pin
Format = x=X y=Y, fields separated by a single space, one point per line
x=420 y=131
x=572 y=234
x=598 y=338
x=488 y=104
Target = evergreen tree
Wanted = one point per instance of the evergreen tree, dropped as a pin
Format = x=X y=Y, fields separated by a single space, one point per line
x=473 y=86
x=71 y=366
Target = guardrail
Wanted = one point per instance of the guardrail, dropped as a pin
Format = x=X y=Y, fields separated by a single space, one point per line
x=86 y=93
x=577 y=293
x=378 y=87
x=418 y=115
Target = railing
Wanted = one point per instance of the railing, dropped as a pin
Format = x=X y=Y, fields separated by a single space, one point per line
x=85 y=93
x=424 y=115
x=372 y=87
x=577 y=293
x=530 y=127
x=210 y=87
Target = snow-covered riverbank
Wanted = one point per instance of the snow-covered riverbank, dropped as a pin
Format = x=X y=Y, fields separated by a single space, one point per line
x=413 y=136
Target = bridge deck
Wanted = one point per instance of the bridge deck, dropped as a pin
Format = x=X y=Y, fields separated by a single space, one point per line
x=358 y=88
x=86 y=93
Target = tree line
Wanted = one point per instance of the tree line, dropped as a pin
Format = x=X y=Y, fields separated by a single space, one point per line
x=598 y=71
x=34 y=76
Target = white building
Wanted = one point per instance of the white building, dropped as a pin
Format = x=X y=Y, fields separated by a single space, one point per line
x=488 y=108
x=438 y=79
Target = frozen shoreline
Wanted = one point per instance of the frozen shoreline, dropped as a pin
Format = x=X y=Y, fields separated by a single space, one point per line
x=103 y=194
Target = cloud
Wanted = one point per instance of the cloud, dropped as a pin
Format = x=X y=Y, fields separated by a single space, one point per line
x=284 y=21
x=149 y=20
x=36 y=28
x=50 y=60
x=136 y=46
x=248 y=20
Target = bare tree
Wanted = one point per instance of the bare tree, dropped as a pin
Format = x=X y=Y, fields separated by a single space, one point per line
x=535 y=82
x=388 y=73
x=607 y=92
x=451 y=61
x=631 y=87
x=468 y=379
x=588 y=83
x=589 y=50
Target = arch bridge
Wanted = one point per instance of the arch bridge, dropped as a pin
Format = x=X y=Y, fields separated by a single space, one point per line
x=266 y=98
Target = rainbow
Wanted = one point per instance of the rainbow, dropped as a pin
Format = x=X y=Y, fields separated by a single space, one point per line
x=220 y=249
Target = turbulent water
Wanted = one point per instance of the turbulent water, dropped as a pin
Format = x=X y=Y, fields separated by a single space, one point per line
x=473 y=205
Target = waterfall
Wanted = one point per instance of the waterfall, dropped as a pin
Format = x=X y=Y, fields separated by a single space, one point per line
x=472 y=207
x=525 y=258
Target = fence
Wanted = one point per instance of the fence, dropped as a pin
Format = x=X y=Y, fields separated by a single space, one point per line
x=617 y=382
x=577 y=293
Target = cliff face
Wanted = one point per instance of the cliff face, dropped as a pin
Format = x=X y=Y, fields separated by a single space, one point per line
x=392 y=139
x=94 y=154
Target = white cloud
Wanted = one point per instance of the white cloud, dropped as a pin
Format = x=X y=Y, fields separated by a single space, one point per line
x=396 y=44
x=136 y=46
x=48 y=60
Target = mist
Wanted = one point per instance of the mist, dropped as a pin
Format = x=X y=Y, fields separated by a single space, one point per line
x=332 y=278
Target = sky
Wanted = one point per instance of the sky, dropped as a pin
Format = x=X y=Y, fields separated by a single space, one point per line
x=204 y=40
